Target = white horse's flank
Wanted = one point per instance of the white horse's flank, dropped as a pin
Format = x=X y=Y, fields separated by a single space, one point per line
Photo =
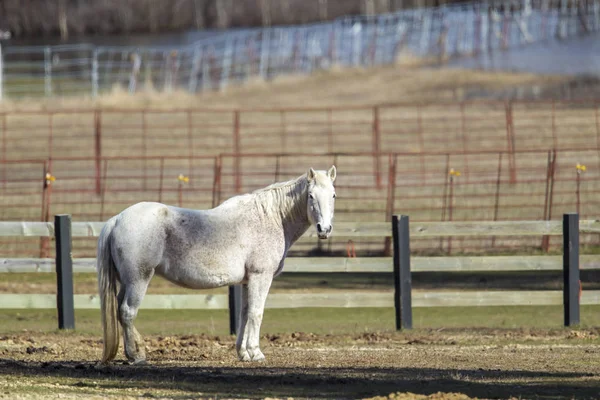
x=244 y=240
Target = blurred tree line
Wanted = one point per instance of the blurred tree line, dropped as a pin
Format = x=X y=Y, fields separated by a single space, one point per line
x=64 y=18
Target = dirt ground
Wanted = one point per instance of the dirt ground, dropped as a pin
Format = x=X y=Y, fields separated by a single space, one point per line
x=426 y=364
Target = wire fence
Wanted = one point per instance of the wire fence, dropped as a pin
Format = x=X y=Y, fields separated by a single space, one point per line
x=229 y=58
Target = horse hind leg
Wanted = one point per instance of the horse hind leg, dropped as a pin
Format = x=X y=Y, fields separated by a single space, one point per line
x=240 y=343
x=130 y=299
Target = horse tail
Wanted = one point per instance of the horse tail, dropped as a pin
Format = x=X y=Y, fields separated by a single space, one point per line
x=107 y=288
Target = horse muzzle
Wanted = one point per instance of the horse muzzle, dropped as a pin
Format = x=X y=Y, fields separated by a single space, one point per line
x=323 y=231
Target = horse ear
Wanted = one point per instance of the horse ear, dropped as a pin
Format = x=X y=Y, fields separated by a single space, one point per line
x=331 y=173
x=310 y=176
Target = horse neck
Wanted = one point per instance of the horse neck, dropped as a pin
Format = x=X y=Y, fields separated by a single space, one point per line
x=288 y=207
x=296 y=221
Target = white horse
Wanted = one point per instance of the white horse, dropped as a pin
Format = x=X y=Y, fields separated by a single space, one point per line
x=242 y=241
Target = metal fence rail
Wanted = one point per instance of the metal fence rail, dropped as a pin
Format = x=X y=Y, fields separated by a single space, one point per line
x=222 y=60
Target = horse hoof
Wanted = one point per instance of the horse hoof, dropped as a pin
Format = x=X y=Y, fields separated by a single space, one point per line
x=102 y=365
x=139 y=362
x=258 y=356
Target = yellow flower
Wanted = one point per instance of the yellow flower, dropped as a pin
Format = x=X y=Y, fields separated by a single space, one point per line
x=454 y=172
x=50 y=177
x=182 y=178
x=580 y=168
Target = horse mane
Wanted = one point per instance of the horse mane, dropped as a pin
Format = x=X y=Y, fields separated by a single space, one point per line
x=286 y=200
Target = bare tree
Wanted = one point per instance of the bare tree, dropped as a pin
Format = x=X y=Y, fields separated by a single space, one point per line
x=127 y=18
x=224 y=9
x=65 y=18
x=323 y=10
x=265 y=10
x=199 y=13
x=62 y=20
x=152 y=14
x=286 y=11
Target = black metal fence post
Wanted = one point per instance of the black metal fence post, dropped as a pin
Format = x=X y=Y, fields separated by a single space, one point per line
x=235 y=306
x=64 y=272
x=571 y=288
x=402 y=278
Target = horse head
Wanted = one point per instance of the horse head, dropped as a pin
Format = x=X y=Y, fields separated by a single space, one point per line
x=321 y=200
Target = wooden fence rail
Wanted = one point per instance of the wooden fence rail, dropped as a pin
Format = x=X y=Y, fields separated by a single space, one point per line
x=403 y=299
x=351 y=229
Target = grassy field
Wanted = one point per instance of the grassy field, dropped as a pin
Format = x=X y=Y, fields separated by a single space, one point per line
x=287 y=282
x=350 y=322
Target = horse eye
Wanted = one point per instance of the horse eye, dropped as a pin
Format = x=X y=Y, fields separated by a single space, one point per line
x=334 y=195
x=310 y=196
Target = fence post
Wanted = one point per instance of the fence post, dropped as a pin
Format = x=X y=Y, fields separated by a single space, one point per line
x=391 y=197
x=46 y=190
x=95 y=73
x=497 y=195
x=376 y=146
x=263 y=69
x=402 y=278
x=227 y=63
x=356 y=44
x=562 y=20
x=510 y=141
x=144 y=147
x=236 y=151
x=549 y=194
x=47 y=71
x=546 y=238
x=216 y=188
x=1 y=74
x=235 y=307
x=4 y=134
x=98 y=145
x=136 y=64
x=64 y=272
x=103 y=191
x=161 y=178
x=196 y=69
x=571 y=280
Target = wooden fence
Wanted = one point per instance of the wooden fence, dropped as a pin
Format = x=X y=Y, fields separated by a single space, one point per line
x=401 y=263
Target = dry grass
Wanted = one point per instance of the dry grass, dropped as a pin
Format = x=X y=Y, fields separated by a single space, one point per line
x=335 y=87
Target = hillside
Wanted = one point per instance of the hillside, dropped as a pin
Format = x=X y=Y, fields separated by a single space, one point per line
x=338 y=87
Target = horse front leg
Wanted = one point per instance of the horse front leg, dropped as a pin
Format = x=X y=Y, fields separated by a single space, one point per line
x=258 y=288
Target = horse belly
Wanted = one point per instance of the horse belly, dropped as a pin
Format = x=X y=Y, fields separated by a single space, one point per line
x=194 y=276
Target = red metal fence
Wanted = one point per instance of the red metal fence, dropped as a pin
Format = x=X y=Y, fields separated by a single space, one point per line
x=371 y=187
x=510 y=160
x=465 y=127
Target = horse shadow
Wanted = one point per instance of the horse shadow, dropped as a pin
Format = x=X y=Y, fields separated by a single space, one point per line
x=251 y=381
